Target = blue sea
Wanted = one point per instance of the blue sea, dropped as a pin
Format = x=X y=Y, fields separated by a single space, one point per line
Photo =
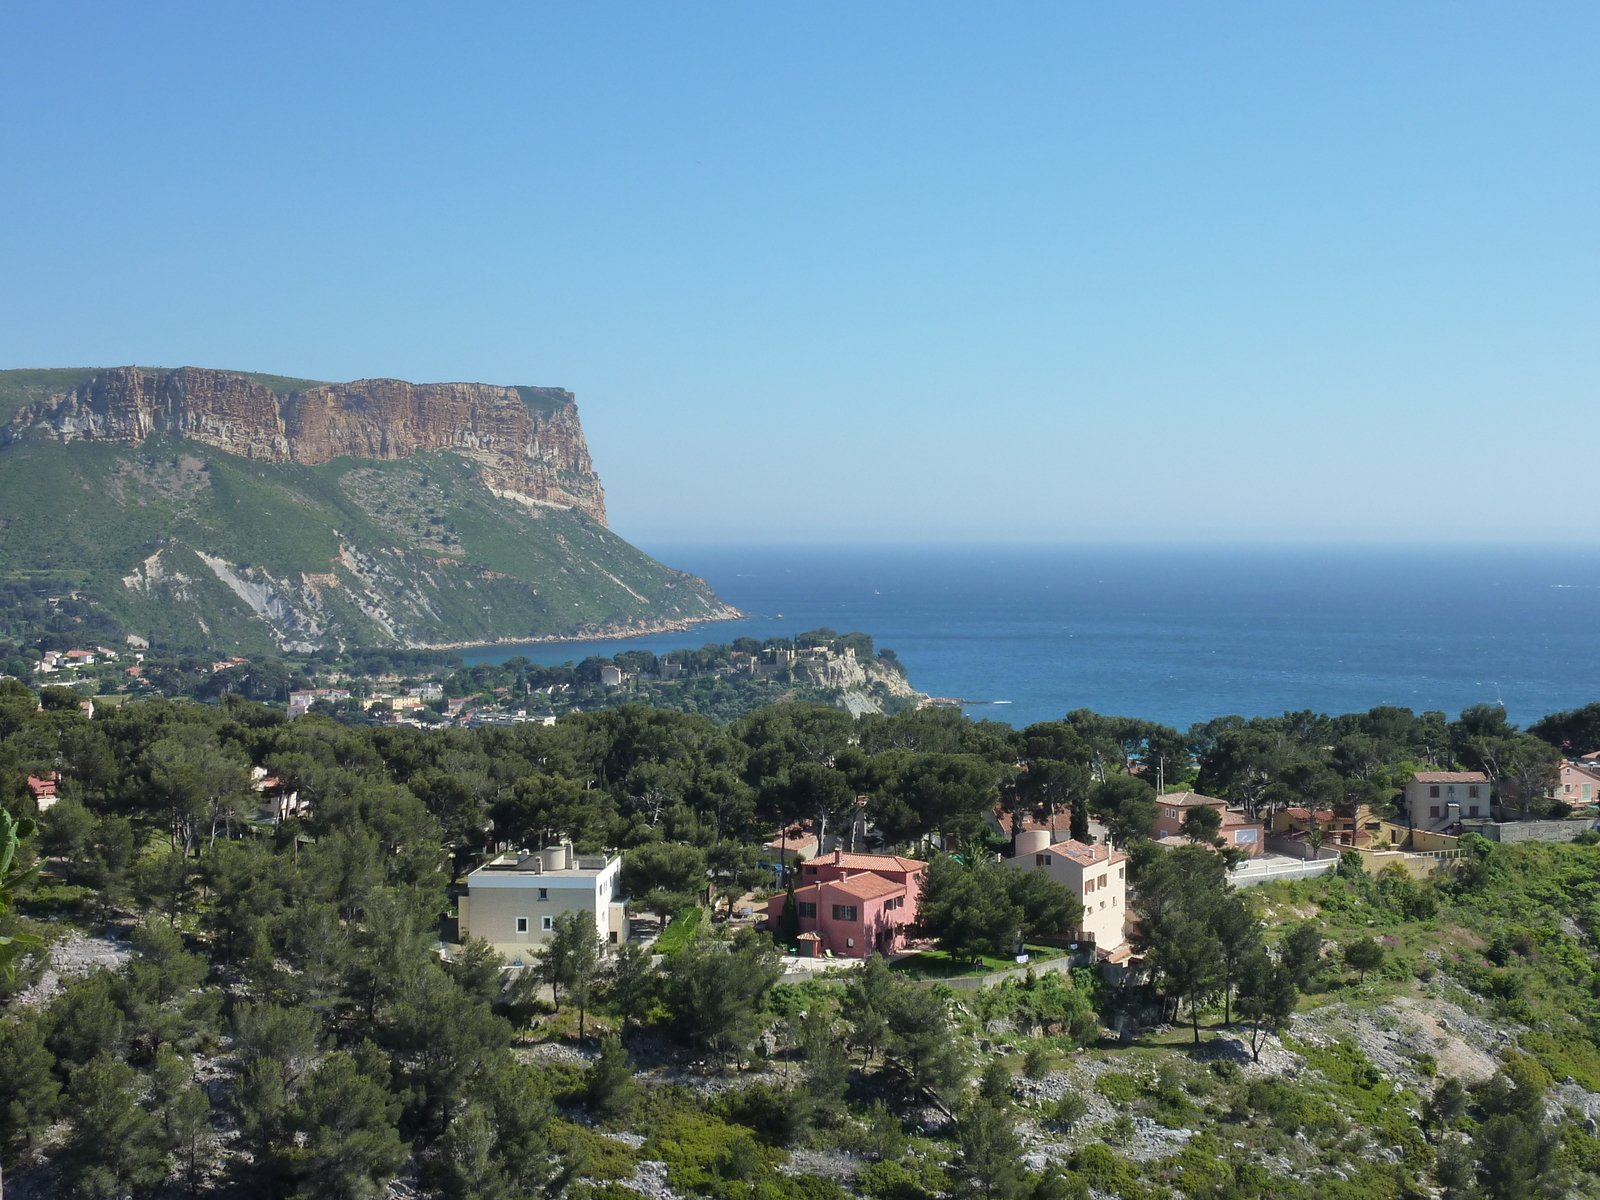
x=1177 y=635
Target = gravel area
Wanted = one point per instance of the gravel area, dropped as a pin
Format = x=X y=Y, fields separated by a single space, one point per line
x=649 y=1178
x=836 y=1165
x=1397 y=1034
x=555 y=1052
x=1569 y=1094
x=72 y=957
x=1044 y=1142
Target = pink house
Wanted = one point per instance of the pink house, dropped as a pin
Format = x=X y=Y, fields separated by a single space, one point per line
x=855 y=904
x=1237 y=830
x=1579 y=783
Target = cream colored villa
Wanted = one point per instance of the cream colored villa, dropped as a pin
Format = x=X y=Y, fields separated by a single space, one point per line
x=513 y=901
x=1097 y=873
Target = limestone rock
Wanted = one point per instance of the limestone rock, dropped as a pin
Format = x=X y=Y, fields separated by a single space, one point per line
x=527 y=442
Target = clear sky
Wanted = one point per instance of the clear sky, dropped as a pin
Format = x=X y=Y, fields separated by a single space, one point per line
x=887 y=271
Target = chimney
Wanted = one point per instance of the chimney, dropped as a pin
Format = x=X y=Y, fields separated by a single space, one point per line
x=838 y=856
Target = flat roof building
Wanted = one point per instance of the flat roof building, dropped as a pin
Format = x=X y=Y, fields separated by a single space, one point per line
x=512 y=901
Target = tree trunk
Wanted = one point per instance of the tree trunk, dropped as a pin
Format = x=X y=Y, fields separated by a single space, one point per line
x=1194 y=1018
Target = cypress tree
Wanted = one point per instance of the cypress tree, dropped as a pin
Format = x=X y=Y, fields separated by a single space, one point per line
x=789 y=919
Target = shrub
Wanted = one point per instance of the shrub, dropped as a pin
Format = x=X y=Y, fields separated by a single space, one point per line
x=678 y=934
x=1119 y=1087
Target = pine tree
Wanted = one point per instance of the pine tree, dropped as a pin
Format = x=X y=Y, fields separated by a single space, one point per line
x=116 y=1145
x=29 y=1095
x=183 y=1114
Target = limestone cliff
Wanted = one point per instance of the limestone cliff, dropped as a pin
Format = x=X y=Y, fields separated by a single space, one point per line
x=526 y=442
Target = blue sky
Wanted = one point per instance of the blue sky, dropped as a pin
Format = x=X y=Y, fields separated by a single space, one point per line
x=899 y=271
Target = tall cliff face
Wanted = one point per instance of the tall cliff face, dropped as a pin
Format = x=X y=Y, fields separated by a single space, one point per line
x=527 y=443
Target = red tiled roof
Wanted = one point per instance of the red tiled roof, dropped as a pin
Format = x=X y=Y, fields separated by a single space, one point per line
x=1304 y=814
x=1188 y=799
x=1449 y=777
x=868 y=862
x=1087 y=856
x=865 y=886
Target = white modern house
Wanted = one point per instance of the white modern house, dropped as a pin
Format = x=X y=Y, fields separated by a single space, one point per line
x=513 y=900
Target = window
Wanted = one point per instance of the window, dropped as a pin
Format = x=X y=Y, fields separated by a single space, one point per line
x=811 y=870
x=1088 y=886
x=546 y=923
x=844 y=912
x=1472 y=792
x=544 y=893
x=1113 y=902
x=1119 y=872
x=808 y=908
x=1566 y=787
x=522 y=924
x=1433 y=810
x=1103 y=882
x=1433 y=792
x=1038 y=860
x=1473 y=811
x=1244 y=835
x=613 y=937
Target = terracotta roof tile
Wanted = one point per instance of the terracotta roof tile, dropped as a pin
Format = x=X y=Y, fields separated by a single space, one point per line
x=868 y=862
x=1449 y=777
x=865 y=886
x=1188 y=799
x=1087 y=856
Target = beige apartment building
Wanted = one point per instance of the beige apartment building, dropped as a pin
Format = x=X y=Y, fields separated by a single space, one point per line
x=1437 y=800
x=513 y=901
x=1097 y=874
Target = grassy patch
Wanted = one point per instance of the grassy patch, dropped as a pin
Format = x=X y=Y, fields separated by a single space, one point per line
x=678 y=934
x=936 y=964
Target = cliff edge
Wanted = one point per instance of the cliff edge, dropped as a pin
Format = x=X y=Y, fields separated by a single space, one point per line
x=527 y=442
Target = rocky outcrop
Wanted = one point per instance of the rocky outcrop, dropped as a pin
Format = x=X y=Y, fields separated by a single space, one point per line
x=527 y=442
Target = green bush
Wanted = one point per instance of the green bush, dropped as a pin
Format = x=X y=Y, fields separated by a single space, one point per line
x=1119 y=1087
x=678 y=934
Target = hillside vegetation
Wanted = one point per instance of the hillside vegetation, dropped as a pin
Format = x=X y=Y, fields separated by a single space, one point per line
x=186 y=546
x=205 y=1002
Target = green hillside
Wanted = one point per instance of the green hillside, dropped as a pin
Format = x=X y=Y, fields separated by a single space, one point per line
x=188 y=546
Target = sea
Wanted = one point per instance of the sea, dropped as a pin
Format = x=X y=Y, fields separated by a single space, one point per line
x=1172 y=634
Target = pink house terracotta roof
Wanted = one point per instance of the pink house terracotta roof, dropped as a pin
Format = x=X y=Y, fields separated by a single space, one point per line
x=1449 y=777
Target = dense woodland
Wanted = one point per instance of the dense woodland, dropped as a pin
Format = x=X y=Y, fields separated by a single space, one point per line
x=283 y=1023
